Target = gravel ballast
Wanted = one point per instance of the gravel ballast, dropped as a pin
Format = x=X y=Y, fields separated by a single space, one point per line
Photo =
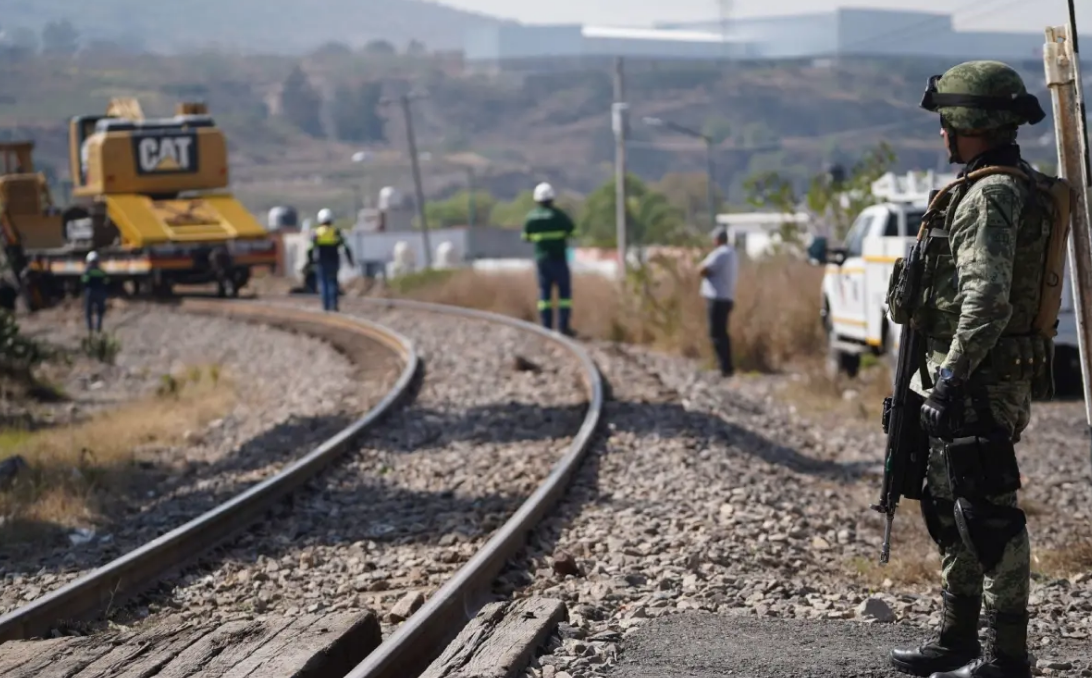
x=385 y=528
x=279 y=413
x=720 y=498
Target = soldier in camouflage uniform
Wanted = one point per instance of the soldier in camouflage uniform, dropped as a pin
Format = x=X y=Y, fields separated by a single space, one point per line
x=983 y=366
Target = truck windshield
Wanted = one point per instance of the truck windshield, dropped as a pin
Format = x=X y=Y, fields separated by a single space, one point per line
x=913 y=221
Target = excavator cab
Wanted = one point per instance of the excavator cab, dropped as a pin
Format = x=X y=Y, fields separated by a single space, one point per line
x=28 y=217
x=27 y=214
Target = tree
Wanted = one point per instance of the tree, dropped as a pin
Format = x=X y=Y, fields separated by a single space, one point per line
x=301 y=104
x=60 y=38
x=513 y=213
x=416 y=48
x=333 y=48
x=834 y=197
x=651 y=219
x=688 y=191
x=717 y=128
x=356 y=113
x=18 y=44
x=455 y=211
x=380 y=48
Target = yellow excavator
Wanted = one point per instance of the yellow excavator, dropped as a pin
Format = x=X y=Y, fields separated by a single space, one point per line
x=149 y=196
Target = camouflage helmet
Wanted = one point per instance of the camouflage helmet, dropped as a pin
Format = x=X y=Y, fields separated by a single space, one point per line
x=981 y=95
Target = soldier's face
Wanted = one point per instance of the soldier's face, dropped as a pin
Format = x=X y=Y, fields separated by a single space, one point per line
x=955 y=154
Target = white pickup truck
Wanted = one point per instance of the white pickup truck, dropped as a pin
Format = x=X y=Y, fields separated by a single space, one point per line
x=854 y=313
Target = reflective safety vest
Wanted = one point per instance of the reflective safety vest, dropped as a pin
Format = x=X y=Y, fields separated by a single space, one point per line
x=327 y=236
x=327 y=240
x=95 y=278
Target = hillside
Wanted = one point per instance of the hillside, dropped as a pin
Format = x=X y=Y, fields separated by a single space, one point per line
x=266 y=26
x=791 y=118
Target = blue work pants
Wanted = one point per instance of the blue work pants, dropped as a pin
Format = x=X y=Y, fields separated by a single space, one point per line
x=554 y=272
x=326 y=276
x=94 y=308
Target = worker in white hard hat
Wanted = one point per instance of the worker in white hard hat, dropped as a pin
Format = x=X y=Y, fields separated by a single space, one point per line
x=325 y=250
x=95 y=287
x=550 y=229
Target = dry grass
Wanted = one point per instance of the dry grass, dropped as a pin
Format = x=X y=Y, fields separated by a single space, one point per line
x=914 y=561
x=776 y=319
x=860 y=398
x=73 y=472
x=1074 y=558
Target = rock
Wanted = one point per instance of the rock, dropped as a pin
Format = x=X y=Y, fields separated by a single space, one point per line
x=564 y=564
x=820 y=544
x=522 y=364
x=405 y=607
x=877 y=610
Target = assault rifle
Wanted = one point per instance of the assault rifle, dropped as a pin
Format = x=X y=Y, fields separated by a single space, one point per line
x=907 y=444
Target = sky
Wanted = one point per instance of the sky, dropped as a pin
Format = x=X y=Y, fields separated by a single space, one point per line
x=999 y=15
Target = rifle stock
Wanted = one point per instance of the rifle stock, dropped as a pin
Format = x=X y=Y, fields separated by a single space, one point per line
x=907 y=450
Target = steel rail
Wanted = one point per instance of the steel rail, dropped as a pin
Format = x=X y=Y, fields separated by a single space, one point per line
x=139 y=569
x=421 y=638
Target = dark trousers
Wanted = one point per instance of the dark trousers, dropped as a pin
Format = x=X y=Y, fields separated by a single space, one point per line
x=718 y=311
x=326 y=277
x=94 y=308
x=554 y=272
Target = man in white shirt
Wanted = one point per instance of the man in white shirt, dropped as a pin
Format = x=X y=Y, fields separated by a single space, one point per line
x=719 y=271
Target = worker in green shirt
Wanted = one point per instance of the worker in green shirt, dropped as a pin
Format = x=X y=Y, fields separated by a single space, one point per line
x=549 y=228
x=95 y=290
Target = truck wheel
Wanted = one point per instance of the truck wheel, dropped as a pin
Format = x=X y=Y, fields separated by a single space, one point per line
x=840 y=362
x=1067 y=372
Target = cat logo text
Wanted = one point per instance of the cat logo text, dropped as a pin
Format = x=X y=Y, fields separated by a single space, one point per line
x=166 y=153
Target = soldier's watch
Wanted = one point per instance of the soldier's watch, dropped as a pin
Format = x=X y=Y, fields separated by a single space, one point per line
x=946 y=374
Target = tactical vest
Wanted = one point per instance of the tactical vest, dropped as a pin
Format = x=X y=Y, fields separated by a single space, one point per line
x=1025 y=350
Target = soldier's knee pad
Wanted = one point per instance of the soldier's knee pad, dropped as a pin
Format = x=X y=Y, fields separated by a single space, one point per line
x=986 y=529
x=933 y=511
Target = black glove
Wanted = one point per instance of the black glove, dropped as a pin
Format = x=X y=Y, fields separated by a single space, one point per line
x=942 y=413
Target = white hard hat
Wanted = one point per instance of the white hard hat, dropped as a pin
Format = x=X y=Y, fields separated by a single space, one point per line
x=544 y=192
x=92 y=256
x=325 y=216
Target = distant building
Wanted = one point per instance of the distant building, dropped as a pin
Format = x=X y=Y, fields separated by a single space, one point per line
x=754 y=234
x=840 y=33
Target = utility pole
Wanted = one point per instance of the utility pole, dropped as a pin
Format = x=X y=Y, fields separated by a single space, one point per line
x=709 y=176
x=471 y=216
x=411 y=142
x=1061 y=62
x=709 y=181
x=619 y=120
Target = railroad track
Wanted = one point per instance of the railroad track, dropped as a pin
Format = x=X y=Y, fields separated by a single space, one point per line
x=423 y=636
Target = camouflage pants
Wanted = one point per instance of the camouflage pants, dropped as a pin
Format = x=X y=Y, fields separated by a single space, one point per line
x=1005 y=587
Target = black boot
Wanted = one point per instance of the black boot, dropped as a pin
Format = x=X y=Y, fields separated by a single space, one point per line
x=954 y=645
x=1006 y=653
